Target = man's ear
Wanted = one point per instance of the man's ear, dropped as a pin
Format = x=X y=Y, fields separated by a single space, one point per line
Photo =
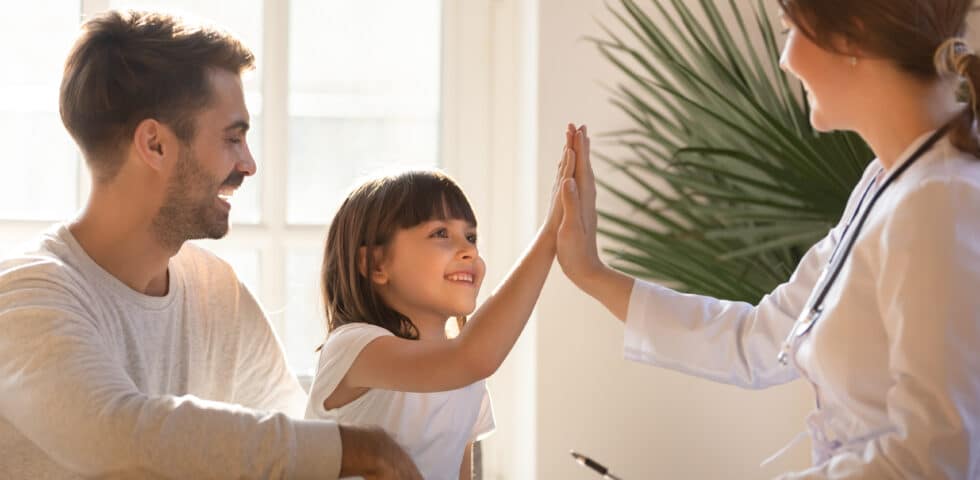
x=378 y=274
x=149 y=140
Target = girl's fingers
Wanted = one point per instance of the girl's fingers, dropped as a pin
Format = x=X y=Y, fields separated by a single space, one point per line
x=566 y=166
x=564 y=172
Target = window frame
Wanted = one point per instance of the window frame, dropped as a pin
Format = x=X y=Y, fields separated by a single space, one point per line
x=464 y=120
x=487 y=125
x=467 y=121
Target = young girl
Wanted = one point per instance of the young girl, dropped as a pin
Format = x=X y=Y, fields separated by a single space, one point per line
x=401 y=259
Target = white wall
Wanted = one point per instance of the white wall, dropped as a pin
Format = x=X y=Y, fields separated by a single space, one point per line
x=567 y=385
x=641 y=421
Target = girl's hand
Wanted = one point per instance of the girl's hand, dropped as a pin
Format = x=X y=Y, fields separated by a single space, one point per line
x=577 y=251
x=566 y=168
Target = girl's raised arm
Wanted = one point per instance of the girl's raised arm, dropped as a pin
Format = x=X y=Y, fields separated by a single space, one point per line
x=394 y=363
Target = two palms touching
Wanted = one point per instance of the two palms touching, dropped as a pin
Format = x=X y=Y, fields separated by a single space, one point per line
x=576 y=190
x=572 y=218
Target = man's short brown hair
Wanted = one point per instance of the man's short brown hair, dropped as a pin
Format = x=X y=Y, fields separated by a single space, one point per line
x=126 y=67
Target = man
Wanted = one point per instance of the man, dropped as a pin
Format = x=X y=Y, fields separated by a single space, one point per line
x=124 y=351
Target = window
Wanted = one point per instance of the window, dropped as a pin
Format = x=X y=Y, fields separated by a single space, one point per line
x=363 y=94
x=341 y=89
x=40 y=159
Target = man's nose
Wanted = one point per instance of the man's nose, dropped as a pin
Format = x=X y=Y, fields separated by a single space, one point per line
x=247 y=165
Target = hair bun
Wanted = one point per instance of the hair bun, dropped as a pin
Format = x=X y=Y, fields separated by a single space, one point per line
x=954 y=56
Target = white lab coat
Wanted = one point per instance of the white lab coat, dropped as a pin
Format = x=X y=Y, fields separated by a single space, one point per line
x=894 y=360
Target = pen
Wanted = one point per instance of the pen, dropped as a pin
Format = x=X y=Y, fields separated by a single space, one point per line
x=594 y=465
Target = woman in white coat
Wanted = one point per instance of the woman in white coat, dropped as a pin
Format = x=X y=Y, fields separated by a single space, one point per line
x=882 y=316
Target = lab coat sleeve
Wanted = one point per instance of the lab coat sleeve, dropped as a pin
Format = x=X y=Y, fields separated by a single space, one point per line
x=729 y=342
x=929 y=273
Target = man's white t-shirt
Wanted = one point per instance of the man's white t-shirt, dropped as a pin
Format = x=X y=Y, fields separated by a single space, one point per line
x=98 y=380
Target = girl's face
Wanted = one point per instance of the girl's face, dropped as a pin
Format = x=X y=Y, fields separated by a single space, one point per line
x=829 y=79
x=432 y=271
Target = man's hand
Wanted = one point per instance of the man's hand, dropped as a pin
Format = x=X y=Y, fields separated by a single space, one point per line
x=372 y=454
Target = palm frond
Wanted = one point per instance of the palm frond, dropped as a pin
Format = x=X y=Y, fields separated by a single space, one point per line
x=728 y=183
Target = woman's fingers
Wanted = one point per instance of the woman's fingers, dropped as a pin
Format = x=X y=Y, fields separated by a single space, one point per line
x=571 y=223
x=583 y=168
x=585 y=176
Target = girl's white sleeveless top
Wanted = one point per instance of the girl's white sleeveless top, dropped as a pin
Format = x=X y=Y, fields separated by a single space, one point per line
x=433 y=428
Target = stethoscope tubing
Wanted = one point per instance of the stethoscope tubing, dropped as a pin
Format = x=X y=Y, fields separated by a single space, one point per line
x=803 y=326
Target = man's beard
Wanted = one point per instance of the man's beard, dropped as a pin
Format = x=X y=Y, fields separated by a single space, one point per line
x=190 y=209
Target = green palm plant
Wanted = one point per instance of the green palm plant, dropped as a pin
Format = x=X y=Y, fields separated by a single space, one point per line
x=734 y=184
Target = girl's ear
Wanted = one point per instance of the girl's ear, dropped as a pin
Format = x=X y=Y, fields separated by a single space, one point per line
x=378 y=275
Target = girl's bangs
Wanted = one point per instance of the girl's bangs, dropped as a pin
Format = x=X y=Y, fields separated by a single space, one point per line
x=432 y=196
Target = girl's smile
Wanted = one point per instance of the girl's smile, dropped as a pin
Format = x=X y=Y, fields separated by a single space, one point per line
x=461 y=277
x=424 y=267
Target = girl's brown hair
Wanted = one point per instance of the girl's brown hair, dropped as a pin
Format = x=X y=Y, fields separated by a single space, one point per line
x=369 y=217
x=922 y=37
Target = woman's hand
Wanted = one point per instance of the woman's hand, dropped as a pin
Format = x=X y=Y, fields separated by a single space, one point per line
x=577 y=251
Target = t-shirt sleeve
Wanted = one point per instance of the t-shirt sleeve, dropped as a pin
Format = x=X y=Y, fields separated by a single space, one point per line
x=263 y=378
x=342 y=347
x=485 y=424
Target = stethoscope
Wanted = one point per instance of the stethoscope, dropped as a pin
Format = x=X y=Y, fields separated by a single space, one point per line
x=806 y=321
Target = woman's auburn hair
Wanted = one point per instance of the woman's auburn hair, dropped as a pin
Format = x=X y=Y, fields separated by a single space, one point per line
x=922 y=37
x=369 y=217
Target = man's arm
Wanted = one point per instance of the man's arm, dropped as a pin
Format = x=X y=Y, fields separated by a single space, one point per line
x=266 y=383
x=66 y=391
x=263 y=379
